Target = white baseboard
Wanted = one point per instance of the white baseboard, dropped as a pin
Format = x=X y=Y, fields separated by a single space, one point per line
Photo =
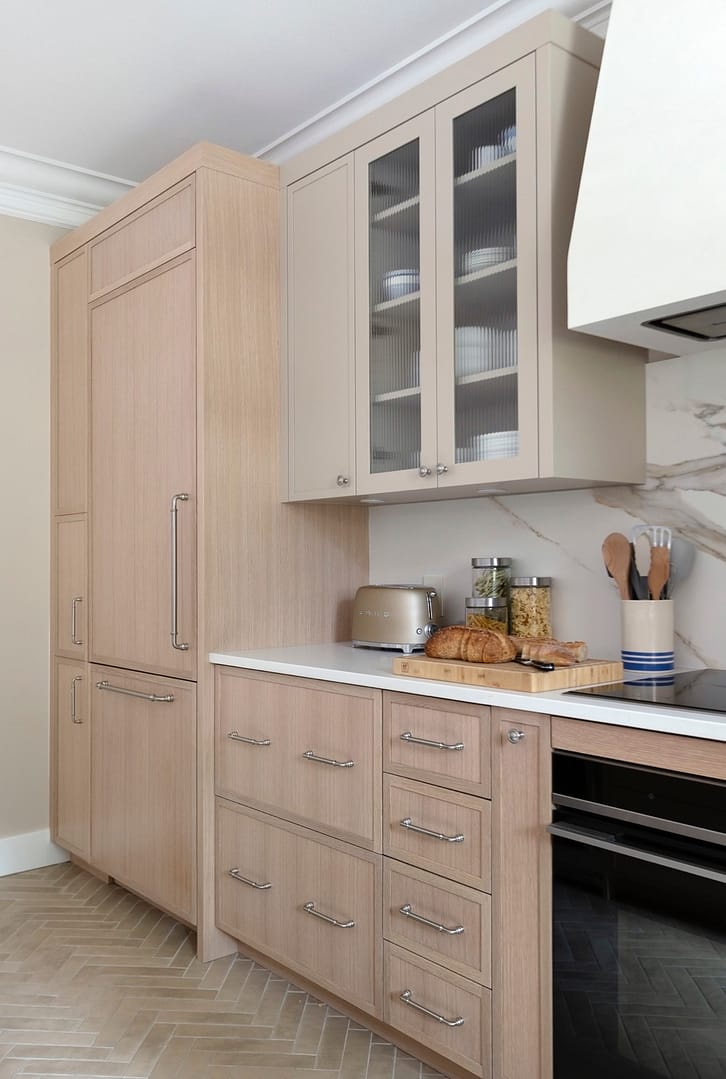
x=32 y=850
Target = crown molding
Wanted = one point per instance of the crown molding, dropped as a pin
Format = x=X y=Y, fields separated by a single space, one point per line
x=493 y=21
x=53 y=192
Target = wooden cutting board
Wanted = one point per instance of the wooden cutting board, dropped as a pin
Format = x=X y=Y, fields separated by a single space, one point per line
x=509 y=675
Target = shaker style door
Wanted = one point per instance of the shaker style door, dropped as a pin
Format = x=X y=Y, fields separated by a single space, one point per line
x=72 y=758
x=487 y=280
x=143 y=439
x=395 y=310
x=69 y=447
x=70 y=594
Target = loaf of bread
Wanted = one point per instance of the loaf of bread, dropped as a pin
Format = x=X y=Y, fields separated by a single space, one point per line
x=549 y=650
x=472 y=645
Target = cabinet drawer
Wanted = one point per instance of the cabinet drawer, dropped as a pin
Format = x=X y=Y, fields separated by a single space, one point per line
x=447 y=744
x=302 y=750
x=162 y=229
x=444 y=831
x=450 y=998
x=438 y=919
x=320 y=913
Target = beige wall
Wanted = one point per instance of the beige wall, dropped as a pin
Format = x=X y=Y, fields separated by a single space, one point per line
x=24 y=533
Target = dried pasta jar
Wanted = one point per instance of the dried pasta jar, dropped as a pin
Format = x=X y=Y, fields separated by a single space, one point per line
x=490 y=577
x=487 y=612
x=530 y=607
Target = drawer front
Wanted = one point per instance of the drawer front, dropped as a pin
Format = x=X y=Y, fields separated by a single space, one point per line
x=443 y=743
x=444 y=831
x=439 y=920
x=320 y=915
x=452 y=999
x=155 y=234
x=301 y=752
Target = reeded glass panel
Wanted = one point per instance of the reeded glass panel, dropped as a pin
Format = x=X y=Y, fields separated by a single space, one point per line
x=395 y=324
x=485 y=280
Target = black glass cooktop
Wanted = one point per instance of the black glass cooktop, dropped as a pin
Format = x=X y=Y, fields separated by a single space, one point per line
x=704 y=689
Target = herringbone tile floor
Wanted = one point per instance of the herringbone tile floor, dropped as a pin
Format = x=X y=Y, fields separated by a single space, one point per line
x=95 y=982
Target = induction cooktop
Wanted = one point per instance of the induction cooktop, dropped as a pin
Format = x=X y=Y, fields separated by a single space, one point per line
x=703 y=689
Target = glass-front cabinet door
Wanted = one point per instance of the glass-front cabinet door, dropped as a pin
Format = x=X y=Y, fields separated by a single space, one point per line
x=487 y=280
x=396 y=309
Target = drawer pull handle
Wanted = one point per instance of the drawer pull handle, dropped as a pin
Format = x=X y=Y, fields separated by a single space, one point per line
x=154 y=697
x=408 y=823
x=237 y=737
x=408 y=912
x=408 y=999
x=309 y=908
x=407 y=736
x=310 y=756
x=236 y=875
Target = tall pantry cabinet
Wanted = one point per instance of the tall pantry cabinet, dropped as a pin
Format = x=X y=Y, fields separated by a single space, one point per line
x=169 y=539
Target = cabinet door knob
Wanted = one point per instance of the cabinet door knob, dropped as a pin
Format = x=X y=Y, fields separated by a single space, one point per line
x=342 y=481
x=441 y=470
x=424 y=472
x=515 y=736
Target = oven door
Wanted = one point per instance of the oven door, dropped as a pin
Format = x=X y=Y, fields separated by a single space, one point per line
x=639 y=947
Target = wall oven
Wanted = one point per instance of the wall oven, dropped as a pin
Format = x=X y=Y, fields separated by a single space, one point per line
x=639 y=934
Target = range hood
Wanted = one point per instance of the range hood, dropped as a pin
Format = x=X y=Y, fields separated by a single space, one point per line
x=647 y=258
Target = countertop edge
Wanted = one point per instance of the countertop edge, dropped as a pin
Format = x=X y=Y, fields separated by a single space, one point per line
x=362 y=667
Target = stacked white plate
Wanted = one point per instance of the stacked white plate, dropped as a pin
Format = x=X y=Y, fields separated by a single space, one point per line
x=484 y=155
x=495 y=444
x=481 y=257
x=397 y=283
x=483 y=348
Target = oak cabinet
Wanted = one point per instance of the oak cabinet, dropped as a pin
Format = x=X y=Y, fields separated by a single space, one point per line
x=466 y=374
x=70 y=591
x=72 y=757
x=143 y=363
x=70 y=384
x=143 y=786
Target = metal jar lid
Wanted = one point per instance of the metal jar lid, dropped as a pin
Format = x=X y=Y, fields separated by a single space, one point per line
x=531 y=582
x=487 y=563
x=486 y=601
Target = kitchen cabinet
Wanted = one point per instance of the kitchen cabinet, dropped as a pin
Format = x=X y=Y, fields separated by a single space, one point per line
x=467 y=377
x=168 y=475
x=72 y=757
x=143 y=786
x=459 y=854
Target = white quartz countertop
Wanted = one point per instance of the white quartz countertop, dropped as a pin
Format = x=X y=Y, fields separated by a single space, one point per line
x=367 y=667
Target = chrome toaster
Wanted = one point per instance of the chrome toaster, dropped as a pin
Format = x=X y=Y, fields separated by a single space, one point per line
x=396 y=616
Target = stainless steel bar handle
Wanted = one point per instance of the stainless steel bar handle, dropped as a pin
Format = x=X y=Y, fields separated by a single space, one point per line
x=236 y=875
x=175 y=642
x=155 y=697
x=408 y=823
x=309 y=908
x=605 y=842
x=237 y=737
x=408 y=912
x=310 y=756
x=74 y=628
x=407 y=736
x=407 y=998
x=74 y=717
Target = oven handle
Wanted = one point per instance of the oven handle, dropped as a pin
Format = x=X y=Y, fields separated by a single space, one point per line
x=645 y=820
x=605 y=842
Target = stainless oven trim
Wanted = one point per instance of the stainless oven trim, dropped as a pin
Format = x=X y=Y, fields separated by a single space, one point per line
x=690 y=831
x=594 y=839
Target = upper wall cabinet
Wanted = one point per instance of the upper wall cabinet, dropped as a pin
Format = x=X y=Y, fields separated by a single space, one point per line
x=466 y=377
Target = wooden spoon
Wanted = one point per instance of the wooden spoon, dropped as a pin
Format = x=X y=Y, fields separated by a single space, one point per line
x=617 y=554
x=660 y=567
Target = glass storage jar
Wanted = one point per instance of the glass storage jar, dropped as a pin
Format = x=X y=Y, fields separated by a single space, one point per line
x=487 y=612
x=530 y=609
x=490 y=577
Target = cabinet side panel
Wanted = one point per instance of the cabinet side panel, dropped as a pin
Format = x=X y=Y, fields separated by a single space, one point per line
x=590 y=389
x=521 y=897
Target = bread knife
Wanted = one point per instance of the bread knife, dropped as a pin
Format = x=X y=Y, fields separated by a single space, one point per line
x=535 y=663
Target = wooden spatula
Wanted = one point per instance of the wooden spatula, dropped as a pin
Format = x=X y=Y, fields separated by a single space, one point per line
x=660 y=567
x=617 y=554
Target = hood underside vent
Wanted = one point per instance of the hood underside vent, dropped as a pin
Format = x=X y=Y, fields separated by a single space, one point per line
x=705 y=324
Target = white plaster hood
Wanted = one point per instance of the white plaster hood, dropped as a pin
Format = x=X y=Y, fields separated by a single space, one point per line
x=649 y=234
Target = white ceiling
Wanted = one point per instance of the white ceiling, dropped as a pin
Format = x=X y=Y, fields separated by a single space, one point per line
x=121 y=89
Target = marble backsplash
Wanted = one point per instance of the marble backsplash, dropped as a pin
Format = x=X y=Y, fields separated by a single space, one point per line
x=559 y=534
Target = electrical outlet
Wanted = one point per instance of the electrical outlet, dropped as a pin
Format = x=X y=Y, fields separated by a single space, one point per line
x=434 y=580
